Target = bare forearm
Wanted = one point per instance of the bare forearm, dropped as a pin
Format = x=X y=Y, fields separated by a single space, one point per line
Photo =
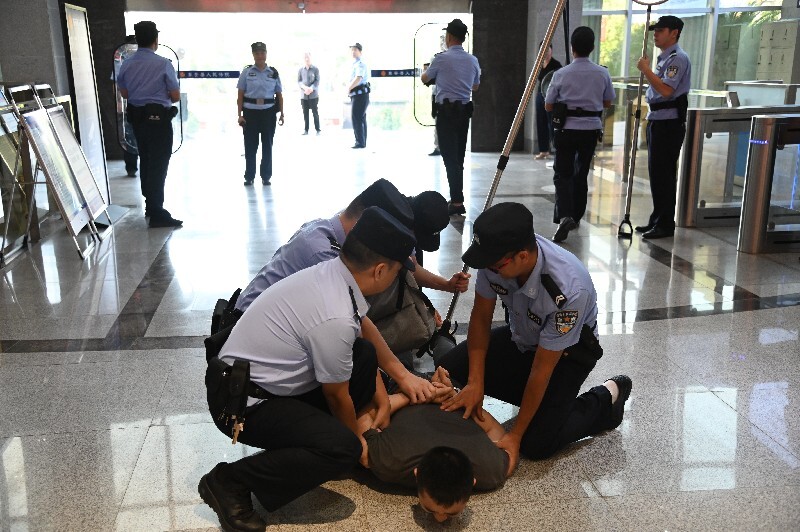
x=493 y=429
x=658 y=85
x=429 y=279
x=387 y=361
x=544 y=363
x=398 y=401
x=342 y=409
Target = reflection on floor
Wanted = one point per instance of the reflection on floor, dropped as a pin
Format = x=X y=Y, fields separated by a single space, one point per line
x=104 y=424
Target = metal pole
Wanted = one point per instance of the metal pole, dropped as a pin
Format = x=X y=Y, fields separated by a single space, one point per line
x=637 y=117
x=512 y=135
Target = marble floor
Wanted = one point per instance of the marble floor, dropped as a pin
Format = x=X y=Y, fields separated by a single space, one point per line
x=104 y=424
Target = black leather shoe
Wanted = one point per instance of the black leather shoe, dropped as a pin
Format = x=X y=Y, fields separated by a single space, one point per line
x=455 y=210
x=248 y=182
x=305 y=132
x=643 y=228
x=231 y=502
x=435 y=152
x=131 y=173
x=625 y=385
x=358 y=146
x=658 y=232
x=165 y=221
x=567 y=224
x=265 y=181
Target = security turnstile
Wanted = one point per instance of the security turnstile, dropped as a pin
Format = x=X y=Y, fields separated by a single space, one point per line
x=770 y=220
x=713 y=164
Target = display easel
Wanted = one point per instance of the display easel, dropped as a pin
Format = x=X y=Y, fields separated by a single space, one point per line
x=59 y=163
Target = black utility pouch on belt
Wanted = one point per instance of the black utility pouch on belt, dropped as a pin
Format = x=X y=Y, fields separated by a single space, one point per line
x=559 y=115
x=225 y=313
x=587 y=351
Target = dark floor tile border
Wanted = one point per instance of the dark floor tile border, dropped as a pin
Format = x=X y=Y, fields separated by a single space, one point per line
x=129 y=329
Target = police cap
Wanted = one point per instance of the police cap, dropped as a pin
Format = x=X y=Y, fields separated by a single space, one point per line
x=385 y=195
x=258 y=47
x=145 y=31
x=430 y=218
x=457 y=29
x=499 y=230
x=669 y=22
x=385 y=235
x=356 y=45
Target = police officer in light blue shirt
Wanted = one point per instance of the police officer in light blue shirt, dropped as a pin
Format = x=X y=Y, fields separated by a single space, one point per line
x=577 y=96
x=667 y=98
x=358 y=90
x=540 y=360
x=457 y=75
x=302 y=342
x=259 y=101
x=150 y=84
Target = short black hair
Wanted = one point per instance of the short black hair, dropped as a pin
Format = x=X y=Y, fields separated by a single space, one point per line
x=356 y=207
x=445 y=474
x=145 y=41
x=582 y=41
x=359 y=257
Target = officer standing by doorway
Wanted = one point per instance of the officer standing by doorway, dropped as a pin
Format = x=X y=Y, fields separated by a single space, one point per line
x=668 y=100
x=150 y=85
x=358 y=90
x=308 y=80
x=576 y=97
x=457 y=75
x=259 y=101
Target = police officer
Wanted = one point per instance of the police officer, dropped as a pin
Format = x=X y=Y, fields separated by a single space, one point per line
x=576 y=96
x=150 y=85
x=259 y=101
x=310 y=376
x=667 y=98
x=358 y=90
x=308 y=80
x=457 y=75
x=316 y=241
x=541 y=358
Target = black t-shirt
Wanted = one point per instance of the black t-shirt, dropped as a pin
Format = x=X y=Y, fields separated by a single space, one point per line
x=416 y=429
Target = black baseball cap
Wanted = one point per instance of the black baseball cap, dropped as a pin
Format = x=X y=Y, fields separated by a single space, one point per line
x=356 y=45
x=668 y=21
x=258 y=47
x=430 y=218
x=456 y=28
x=384 y=194
x=145 y=30
x=499 y=230
x=385 y=235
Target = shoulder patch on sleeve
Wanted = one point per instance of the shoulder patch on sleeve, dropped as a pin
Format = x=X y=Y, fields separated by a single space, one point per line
x=672 y=71
x=565 y=321
x=499 y=289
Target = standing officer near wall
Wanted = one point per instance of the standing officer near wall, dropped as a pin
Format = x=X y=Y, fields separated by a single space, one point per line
x=150 y=85
x=576 y=97
x=358 y=90
x=457 y=75
x=308 y=80
x=667 y=98
x=259 y=101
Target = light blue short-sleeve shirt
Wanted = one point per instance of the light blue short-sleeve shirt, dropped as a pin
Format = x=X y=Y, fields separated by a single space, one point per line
x=259 y=84
x=455 y=73
x=581 y=84
x=673 y=68
x=148 y=78
x=534 y=317
x=301 y=333
x=310 y=245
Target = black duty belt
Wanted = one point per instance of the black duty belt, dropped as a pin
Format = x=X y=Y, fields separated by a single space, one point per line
x=251 y=388
x=259 y=101
x=583 y=113
x=677 y=103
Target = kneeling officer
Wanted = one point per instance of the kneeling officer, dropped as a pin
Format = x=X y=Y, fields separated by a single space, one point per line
x=298 y=354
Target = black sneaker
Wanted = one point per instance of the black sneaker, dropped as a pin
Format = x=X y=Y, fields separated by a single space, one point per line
x=231 y=502
x=625 y=385
x=455 y=210
x=165 y=221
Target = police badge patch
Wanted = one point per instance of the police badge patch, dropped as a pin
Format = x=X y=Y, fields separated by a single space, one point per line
x=566 y=321
x=536 y=319
x=499 y=289
x=672 y=71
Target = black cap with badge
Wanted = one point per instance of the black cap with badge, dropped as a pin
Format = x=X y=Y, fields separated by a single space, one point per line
x=258 y=47
x=669 y=22
x=430 y=218
x=499 y=230
x=385 y=235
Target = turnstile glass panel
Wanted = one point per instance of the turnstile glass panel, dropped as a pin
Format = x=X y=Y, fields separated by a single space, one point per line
x=720 y=168
x=784 y=203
